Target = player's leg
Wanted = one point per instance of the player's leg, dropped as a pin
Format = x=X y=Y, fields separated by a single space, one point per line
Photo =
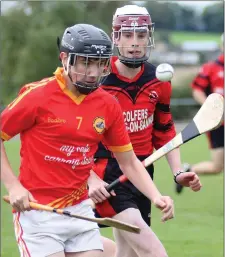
x=32 y=238
x=109 y=247
x=108 y=244
x=127 y=197
x=93 y=253
x=100 y=167
x=214 y=166
x=144 y=244
x=41 y=233
x=86 y=244
x=109 y=208
x=122 y=247
x=60 y=254
x=85 y=238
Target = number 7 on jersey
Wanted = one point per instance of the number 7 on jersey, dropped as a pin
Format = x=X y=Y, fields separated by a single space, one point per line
x=79 y=121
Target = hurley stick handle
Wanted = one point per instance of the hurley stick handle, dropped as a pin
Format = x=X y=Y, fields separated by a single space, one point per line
x=33 y=205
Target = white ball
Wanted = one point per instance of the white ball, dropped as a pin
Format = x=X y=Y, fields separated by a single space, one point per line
x=164 y=72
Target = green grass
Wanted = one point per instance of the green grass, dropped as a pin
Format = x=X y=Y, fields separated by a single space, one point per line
x=178 y=37
x=196 y=231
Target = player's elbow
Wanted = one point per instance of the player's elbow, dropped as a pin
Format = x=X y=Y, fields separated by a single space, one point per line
x=129 y=168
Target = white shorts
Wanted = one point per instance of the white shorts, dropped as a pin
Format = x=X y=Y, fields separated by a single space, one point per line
x=41 y=233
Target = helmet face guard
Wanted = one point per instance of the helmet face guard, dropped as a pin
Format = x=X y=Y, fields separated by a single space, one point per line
x=82 y=65
x=89 y=50
x=133 y=38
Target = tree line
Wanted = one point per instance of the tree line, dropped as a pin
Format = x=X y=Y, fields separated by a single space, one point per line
x=29 y=32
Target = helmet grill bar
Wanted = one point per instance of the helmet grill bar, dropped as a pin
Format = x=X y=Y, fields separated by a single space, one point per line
x=103 y=71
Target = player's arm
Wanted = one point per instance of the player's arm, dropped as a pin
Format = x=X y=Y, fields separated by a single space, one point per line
x=200 y=84
x=199 y=96
x=138 y=175
x=174 y=160
x=96 y=188
x=163 y=127
x=7 y=176
x=164 y=131
x=17 y=117
x=188 y=179
x=18 y=194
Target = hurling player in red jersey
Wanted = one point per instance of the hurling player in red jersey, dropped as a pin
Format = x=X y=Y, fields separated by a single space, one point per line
x=61 y=120
x=210 y=79
x=145 y=103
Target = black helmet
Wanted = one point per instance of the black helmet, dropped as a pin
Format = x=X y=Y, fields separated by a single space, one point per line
x=87 y=41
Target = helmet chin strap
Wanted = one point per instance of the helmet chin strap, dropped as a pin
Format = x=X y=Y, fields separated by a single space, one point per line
x=133 y=63
x=129 y=64
x=82 y=87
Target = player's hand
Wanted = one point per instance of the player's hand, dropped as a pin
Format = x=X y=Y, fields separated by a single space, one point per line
x=97 y=191
x=20 y=197
x=166 y=205
x=189 y=179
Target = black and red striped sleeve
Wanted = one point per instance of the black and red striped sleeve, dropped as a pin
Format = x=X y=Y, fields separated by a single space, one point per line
x=202 y=79
x=163 y=125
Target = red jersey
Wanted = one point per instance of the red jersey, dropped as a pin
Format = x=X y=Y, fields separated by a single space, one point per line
x=145 y=103
x=210 y=78
x=59 y=136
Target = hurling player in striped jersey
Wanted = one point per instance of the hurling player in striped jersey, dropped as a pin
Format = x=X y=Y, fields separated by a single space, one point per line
x=145 y=102
x=210 y=79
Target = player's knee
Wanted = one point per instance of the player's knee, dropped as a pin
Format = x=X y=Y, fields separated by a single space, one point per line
x=218 y=167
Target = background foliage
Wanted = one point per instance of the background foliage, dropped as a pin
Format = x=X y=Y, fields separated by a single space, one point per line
x=29 y=32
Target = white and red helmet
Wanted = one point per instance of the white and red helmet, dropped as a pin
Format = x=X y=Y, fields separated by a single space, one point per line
x=133 y=18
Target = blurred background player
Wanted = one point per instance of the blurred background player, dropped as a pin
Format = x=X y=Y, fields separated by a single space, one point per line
x=145 y=102
x=59 y=136
x=210 y=79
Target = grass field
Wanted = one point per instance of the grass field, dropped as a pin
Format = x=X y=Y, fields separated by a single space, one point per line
x=196 y=231
x=178 y=37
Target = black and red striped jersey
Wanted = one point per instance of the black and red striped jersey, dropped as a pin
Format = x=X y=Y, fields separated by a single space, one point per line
x=210 y=78
x=145 y=102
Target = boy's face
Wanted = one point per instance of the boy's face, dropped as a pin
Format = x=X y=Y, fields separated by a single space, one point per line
x=132 y=43
x=87 y=69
